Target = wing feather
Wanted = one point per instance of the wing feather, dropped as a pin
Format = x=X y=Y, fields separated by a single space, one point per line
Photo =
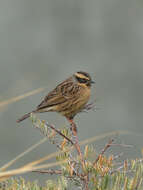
x=63 y=92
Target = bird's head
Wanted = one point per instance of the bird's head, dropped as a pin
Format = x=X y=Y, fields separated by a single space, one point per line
x=83 y=78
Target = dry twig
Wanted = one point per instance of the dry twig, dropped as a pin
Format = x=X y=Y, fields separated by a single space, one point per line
x=103 y=150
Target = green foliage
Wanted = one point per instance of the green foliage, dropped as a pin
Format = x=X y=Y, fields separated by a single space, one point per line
x=100 y=172
x=21 y=184
x=101 y=177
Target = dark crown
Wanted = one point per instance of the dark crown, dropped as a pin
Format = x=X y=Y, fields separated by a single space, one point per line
x=84 y=74
x=83 y=77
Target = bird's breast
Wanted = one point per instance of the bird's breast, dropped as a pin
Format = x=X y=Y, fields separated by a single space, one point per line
x=71 y=107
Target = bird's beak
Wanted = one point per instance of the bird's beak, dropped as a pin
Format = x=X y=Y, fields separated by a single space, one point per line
x=93 y=82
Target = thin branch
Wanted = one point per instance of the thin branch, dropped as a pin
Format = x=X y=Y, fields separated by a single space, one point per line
x=57 y=172
x=109 y=144
x=50 y=171
x=90 y=106
x=104 y=150
x=77 y=147
x=76 y=143
x=123 y=145
x=61 y=134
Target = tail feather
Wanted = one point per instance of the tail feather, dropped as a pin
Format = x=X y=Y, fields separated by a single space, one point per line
x=24 y=117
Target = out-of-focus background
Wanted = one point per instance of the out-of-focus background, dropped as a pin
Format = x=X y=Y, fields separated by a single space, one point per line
x=43 y=42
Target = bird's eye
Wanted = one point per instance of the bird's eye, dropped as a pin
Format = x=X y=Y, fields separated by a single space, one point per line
x=81 y=80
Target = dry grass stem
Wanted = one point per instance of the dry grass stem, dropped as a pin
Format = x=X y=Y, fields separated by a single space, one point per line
x=20 y=97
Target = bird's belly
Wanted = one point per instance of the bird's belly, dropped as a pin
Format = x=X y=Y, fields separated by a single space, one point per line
x=71 y=108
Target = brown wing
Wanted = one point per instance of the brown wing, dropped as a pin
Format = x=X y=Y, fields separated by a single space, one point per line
x=63 y=92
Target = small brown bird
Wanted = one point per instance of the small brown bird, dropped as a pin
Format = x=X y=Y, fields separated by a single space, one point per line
x=68 y=98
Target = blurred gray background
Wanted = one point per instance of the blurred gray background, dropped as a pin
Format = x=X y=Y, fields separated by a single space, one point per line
x=43 y=42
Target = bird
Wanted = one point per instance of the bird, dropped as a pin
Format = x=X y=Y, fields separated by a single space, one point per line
x=67 y=98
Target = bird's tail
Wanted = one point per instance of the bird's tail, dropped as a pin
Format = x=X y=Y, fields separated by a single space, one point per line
x=24 y=117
